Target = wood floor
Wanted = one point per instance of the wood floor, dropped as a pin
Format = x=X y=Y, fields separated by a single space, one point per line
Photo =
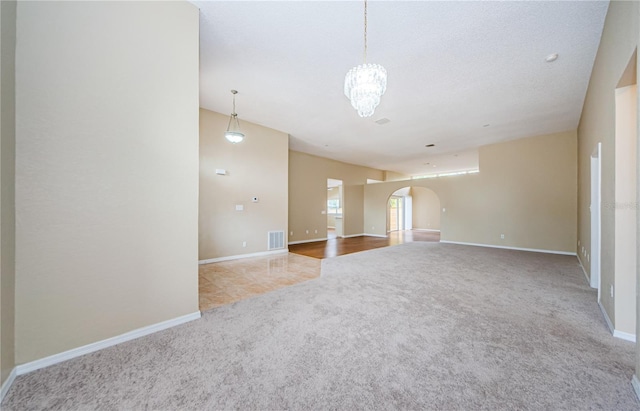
x=338 y=246
x=230 y=281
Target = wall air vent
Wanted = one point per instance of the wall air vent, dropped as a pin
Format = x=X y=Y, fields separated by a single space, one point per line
x=276 y=240
x=382 y=121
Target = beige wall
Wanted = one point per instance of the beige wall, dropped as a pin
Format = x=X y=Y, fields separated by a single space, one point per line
x=526 y=190
x=256 y=167
x=7 y=183
x=425 y=208
x=625 y=209
x=308 y=195
x=597 y=124
x=394 y=176
x=106 y=170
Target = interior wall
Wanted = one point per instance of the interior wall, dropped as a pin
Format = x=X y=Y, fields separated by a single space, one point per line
x=256 y=167
x=526 y=190
x=308 y=176
x=625 y=209
x=597 y=124
x=426 y=209
x=7 y=189
x=106 y=170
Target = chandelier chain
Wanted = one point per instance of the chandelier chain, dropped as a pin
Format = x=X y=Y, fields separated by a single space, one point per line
x=365 y=31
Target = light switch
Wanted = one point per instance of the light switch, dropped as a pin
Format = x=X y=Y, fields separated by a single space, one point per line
x=239 y=207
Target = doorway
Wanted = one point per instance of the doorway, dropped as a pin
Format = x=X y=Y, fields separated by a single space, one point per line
x=335 y=216
x=399 y=210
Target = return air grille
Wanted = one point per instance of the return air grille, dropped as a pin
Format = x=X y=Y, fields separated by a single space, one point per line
x=276 y=240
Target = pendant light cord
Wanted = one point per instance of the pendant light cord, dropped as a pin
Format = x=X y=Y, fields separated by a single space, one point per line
x=234 y=105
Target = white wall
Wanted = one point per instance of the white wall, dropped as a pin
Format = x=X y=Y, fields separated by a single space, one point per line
x=106 y=170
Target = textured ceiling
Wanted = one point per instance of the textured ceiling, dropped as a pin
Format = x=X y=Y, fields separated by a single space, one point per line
x=453 y=68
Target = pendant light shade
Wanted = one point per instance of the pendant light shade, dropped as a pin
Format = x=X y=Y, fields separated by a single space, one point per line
x=233 y=133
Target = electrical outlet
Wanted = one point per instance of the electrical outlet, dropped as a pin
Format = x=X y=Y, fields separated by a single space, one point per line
x=316 y=231
x=587 y=257
x=306 y=231
x=611 y=290
x=291 y=233
x=244 y=243
x=502 y=236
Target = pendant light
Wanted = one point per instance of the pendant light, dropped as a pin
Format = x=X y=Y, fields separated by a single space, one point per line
x=233 y=133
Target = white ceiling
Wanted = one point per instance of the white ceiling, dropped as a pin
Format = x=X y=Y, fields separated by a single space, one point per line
x=453 y=68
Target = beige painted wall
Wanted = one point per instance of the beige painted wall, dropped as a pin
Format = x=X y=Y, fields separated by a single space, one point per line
x=256 y=167
x=308 y=176
x=7 y=189
x=106 y=170
x=425 y=208
x=597 y=124
x=394 y=176
x=526 y=190
x=625 y=208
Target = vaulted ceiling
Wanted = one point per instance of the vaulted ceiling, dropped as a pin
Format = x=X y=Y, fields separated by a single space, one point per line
x=460 y=74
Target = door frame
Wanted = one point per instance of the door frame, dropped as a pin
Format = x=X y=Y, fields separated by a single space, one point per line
x=596 y=218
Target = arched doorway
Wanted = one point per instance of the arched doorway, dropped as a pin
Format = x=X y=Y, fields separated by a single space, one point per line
x=413 y=214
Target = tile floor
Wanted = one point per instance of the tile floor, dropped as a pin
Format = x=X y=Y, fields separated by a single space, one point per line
x=230 y=281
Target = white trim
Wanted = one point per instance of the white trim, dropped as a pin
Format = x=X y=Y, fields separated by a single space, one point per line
x=425 y=229
x=584 y=271
x=99 y=345
x=606 y=317
x=534 y=250
x=624 y=336
x=313 y=240
x=376 y=235
x=237 y=257
x=636 y=385
x=616 y=333
x=7 y=384
x=354 y=235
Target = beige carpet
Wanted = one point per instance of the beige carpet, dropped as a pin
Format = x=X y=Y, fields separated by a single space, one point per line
x=415 y=326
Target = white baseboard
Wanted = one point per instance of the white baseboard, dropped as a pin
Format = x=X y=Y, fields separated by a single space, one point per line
x=534 y=250
x=313 y=240
x=354 y=235
x=7 y=384
x=425 y=229
x=636 y=385
x=606 y=317
x=239 y=256
x=99 y=345
x=584 y=271
x=624 y=336
x=616 y=333
x=375 y=235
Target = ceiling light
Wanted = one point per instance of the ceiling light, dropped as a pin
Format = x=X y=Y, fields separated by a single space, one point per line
x=233 y=133
x=551 y=58
x=366 y=83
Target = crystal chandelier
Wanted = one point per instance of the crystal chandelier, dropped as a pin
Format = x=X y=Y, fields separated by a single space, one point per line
x=366 y=83
x=233 y=133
